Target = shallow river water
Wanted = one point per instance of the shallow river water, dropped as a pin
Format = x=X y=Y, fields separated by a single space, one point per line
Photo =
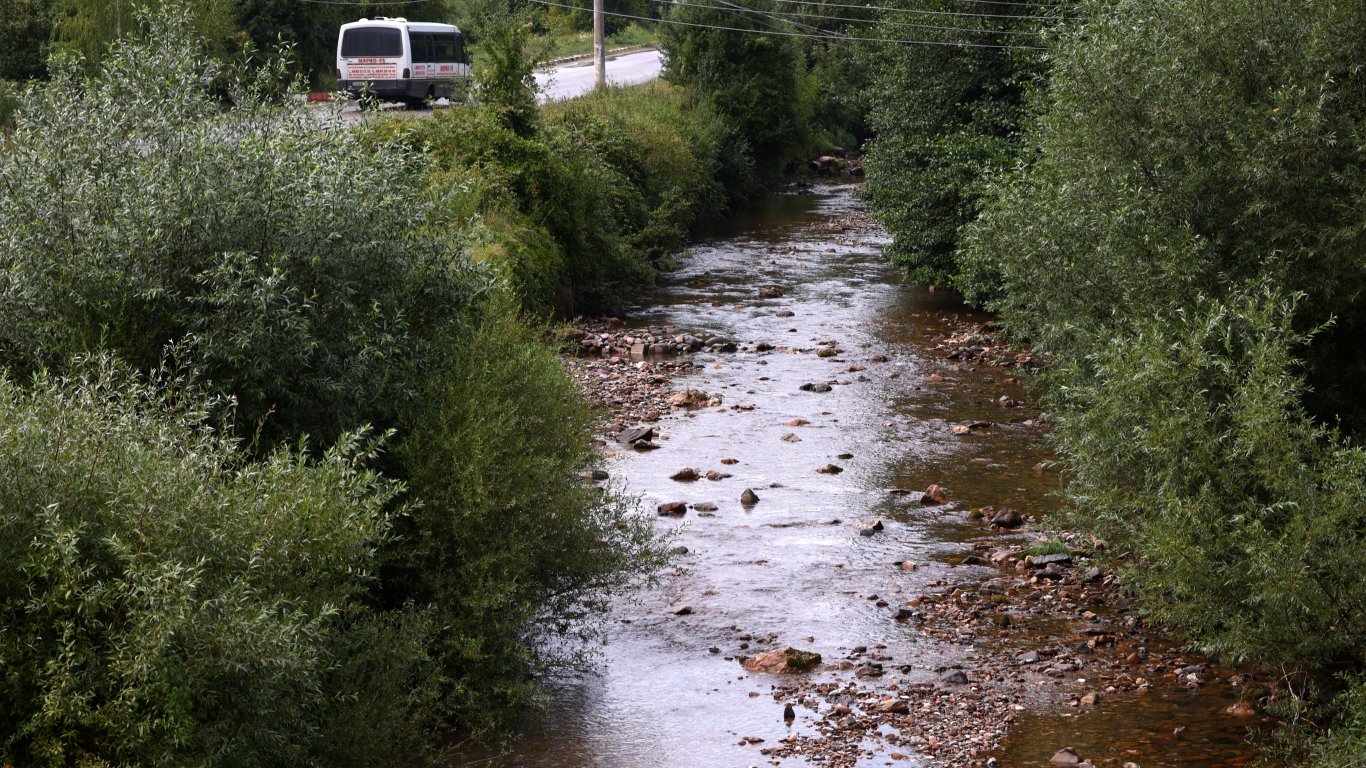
x=793 y=570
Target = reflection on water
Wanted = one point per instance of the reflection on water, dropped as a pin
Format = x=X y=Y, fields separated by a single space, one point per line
x=792 y=570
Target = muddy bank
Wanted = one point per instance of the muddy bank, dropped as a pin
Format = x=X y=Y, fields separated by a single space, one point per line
x=890 y=454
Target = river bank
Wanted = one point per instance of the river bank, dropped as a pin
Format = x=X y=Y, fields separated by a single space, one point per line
x=882 y=431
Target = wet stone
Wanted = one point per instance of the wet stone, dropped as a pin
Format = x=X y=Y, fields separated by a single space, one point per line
x=672 y=509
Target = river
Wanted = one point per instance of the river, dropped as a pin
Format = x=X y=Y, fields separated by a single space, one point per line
x=794 y=571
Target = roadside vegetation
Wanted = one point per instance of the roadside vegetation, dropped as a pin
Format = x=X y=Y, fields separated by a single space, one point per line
x=560 y=45
x=288 y=480
x=1168 y=204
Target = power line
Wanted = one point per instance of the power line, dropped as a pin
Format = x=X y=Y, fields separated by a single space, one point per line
x=945 y=43
x=920 y=11
x=365 y=2
x=877 y=22
x=742 y=9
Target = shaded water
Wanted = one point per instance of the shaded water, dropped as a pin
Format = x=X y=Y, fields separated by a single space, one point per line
x=792 y=570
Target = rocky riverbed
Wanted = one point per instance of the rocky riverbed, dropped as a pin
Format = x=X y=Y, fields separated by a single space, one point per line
x=854 y=472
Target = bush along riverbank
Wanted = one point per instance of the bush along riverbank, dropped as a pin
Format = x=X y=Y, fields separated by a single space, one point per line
x=1180 y=230
x=288 y=479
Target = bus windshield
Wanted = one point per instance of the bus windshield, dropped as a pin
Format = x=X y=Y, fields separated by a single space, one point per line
x=372 y=42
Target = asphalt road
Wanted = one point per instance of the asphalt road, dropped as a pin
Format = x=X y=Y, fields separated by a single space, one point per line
x=576 y=79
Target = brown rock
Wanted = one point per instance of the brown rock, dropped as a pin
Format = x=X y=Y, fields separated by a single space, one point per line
x=1065 y=758
x=893 y=706
x=830 y=469
x=749 y=498
x=673 y=509
x=684 y=475
x=782 y=662
x=933 y=495
x=798 y=423
x=715 y=476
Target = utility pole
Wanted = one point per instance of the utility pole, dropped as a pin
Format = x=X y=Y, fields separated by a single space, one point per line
x=599 y=50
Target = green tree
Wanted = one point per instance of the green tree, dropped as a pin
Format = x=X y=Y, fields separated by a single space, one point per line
x=752 y=78
x=1187 y=242
x=89 y=27
x=25 y=36
x=947 y=118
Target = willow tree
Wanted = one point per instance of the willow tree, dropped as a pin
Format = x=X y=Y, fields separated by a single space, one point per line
x=88 y=27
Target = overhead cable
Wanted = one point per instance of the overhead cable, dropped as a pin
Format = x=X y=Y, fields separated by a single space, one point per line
x=878 y=22
x=944 y=43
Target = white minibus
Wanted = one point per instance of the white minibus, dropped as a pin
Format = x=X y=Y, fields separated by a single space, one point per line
x=397 y=59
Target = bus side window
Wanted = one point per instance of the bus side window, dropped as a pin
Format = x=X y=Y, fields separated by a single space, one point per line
x=460 y=56
x=444 y=48
x=421 y=44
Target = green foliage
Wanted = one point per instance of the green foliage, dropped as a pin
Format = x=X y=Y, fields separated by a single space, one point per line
x=1189 y=448
x=559 y=45
x=1187 y=243
x=136 y=213
x=166 y=602
x=509 y=544
x=940 y=142
x=667 y=147
x=314 y=278
x=504 y=80
x=1049 y=547
x=25 y=34
x=88 y=27
x=9 y=103
x=753 y=80
x=576 y=213
x=1168 y=167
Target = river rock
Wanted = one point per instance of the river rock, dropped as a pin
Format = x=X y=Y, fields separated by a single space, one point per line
x=818 y=387
x=956 y=677
x=673 y=509
x=830 y=469
x=684 y=475
x=730 y=462
x=637 y=434
x=934 y=495
x=704 y=506
x=782 y=662
x=1065 y=758
x=798 y=423
x=783 y=313
x=1043 y=561
x=645 y=445
x=791 y=437
x=599 y=475
x=893 y=706
x=749 y=498
x=1007 y=518
x=716 y=477
x=771 y=292
x=868 y=529
x=684 y=610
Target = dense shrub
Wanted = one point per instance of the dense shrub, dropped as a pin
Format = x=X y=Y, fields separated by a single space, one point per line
x=668 y=146
x=514 y=555
x=272 y=247
x=938 y=144
x=166 y=602
x=578 y=210
x=753 y=80
x=1187 y=241
x=303 y=271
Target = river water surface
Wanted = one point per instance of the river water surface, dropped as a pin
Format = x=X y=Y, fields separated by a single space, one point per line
x=793 y=570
